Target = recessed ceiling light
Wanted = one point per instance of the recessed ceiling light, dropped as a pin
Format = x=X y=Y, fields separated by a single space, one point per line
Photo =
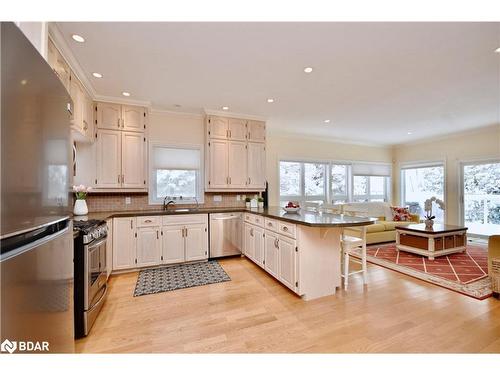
x=225 y=108
x=497 y=50
x=410 y=133
x=78 y=38
x=24 y=82
x=327 y=121
x=97 y=75
x=270 y=100
x=125 y=93
x=308 y=69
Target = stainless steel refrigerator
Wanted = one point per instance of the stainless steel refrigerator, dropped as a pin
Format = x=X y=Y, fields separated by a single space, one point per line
x=36 y=259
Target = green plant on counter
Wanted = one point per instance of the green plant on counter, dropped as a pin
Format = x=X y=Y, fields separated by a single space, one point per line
x=260 y=199
x=247 y=200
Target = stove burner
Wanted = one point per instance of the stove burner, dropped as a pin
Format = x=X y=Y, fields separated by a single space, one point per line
x=91 y=229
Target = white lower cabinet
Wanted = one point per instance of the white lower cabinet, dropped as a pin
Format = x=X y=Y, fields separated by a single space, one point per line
x=173 y=244
x=275 y=252
x=271 y=261
x=148 y=246
x=124 y=243
x=147 y=243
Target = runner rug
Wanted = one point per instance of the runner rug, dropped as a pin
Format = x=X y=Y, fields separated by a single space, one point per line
x=466 y=273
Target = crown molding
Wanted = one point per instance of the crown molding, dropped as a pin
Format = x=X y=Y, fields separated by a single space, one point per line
x=214 y=112
x=194 y=115
x=122 y=100
x=60 y=43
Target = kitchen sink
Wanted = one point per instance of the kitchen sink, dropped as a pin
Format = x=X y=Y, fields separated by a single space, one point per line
x=183 y=210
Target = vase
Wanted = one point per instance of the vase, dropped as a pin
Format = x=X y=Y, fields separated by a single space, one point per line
x=247 y=204
x=80 y=207
x=261 y=204
x=429 y=223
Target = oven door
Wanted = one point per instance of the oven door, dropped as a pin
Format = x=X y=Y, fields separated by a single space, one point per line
x=95 y=271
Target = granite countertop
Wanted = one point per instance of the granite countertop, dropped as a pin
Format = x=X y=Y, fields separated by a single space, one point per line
x=303 y=217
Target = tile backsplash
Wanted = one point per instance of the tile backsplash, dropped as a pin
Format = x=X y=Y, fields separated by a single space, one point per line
x=100 y=202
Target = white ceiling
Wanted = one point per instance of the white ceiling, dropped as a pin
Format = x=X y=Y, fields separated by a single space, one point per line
x=375 y=81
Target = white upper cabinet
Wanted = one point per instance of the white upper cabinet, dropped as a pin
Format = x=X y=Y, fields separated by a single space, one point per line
x=237 y=164
x=218 y=164
x=256 y=131
x=108 y=158
x=132 y=160
x=59 y=65
x=256 y=165
x=109 y=116
x=218 y=127
x=232 y=162
x=237 y=130
x=133 y=118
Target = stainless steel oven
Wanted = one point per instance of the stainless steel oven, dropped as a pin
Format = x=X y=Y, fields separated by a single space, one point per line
x=90 y=273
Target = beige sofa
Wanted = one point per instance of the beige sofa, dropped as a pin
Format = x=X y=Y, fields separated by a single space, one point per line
x=384 y=228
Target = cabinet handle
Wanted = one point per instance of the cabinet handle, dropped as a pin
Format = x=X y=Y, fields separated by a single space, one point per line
x=276 y=243
x=251 y=232
x=118 y=178
x=269 y=224
x=157 y=235
x=131 y=224
x=285 y=229
x=123 y=178
x=147 y=221
x=186 y=231
x=229 y=180
x=118 y=123
x=249 y=180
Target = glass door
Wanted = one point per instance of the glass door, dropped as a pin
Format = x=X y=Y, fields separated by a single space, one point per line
x=481 y=197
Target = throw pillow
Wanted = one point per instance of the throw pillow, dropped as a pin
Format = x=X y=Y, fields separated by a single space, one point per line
x=400 y=214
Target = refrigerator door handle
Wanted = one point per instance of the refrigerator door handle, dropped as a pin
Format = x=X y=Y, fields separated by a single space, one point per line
x=31 y=245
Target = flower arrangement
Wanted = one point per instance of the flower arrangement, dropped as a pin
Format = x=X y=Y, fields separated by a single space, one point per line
x=428 y=207
x=81 y=191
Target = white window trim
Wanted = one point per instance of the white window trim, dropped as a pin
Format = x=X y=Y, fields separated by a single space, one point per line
x=424 y=164
x=200 y=180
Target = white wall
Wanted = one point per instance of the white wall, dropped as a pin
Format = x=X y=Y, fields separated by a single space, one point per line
x=173 y=128
x=479 y=144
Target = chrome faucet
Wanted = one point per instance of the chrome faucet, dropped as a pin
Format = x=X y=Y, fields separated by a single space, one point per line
x=165 y=205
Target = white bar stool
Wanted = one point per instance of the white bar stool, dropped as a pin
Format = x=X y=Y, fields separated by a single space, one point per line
x=348 y=245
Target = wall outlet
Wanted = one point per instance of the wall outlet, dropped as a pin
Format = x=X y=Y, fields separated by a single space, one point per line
x=217 y=198
x=243 y=197
x=128 y=200
x=238 y=197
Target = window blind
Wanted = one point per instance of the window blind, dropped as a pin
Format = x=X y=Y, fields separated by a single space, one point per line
x=175 y=158
x=383 y=170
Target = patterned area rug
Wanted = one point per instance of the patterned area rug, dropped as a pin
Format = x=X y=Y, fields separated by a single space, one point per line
x=466 y=273
x=181 y=276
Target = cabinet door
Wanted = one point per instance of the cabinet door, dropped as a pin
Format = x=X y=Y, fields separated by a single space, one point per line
x=218 y=127
x=287 y=262
x=249 y=241
x=196 y=242
x=59 y=65
x=133 y=118
x=271 y=253
x=148 y=246
x=124 y=243
x=108 y=158
x=133 y=166
x=237 y=164
x=109 y=247
x=258 y=234
x=76 y=93
x=87 y=116
x=108 y=116
x=173 y=244
x=256 y=131
x=256 y=165
x=218 y=164
x=237 y=129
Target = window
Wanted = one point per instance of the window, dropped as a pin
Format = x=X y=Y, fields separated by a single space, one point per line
x=175 y=173
x=420 y=183
x=321 y=182
x=481 y=202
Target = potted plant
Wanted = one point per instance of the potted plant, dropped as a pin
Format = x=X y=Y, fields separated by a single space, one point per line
x=260 y=201
x=81 y=192
x=429 y=217
x=247 y=202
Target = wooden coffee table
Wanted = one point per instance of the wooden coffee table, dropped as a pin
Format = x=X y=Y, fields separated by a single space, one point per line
x=441 y=239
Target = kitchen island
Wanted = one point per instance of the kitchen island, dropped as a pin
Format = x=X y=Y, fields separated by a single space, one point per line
x=301 y=250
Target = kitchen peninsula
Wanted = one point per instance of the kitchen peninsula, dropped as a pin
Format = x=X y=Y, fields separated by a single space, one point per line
x=301 y=250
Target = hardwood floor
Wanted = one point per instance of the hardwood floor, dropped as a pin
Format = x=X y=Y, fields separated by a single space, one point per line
x=255 y=313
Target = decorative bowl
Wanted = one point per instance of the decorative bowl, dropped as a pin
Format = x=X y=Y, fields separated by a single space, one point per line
x=292 y=209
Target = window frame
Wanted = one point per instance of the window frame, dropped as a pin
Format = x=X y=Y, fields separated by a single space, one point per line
x=200 y=178
x=423 y=164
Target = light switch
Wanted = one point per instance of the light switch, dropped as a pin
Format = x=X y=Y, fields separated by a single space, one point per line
x=238 y=197
x=217 y=198
x=128 y=200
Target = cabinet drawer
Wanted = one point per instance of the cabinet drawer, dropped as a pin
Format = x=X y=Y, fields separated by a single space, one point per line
x=258 y=220
x=148 y=221
x=286 y=228
x=271 y=224
x=185 y=219
x=248 y=217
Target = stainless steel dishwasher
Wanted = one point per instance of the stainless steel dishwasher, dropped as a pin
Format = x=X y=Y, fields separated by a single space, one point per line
x=226 y=232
